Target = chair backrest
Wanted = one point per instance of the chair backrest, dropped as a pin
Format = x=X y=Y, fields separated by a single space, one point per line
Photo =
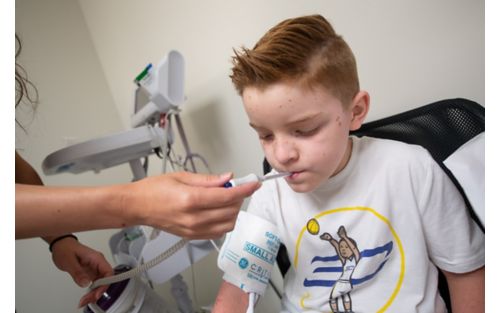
x=440 y=127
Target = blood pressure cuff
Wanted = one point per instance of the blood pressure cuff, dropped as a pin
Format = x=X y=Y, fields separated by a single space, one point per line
x=249 y=253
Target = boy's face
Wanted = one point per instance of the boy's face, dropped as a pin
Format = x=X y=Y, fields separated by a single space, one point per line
x=302 y=131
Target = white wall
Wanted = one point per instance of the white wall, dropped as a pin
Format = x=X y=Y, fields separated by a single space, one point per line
x=409 y=53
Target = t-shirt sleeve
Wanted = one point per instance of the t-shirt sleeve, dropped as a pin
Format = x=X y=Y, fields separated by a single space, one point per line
x=455 y=242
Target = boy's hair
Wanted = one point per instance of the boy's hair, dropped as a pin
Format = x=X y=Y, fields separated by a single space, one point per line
x=304 y=49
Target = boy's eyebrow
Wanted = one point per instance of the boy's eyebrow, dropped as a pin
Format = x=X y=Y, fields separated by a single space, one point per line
x=305 y=118
x=257 y=128
x=293 y=122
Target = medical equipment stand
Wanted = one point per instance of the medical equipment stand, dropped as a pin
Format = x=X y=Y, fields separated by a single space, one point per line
x=164 y=87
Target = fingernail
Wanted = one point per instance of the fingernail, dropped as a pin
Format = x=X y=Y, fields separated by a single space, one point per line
x=84 y=283
x=226 y=175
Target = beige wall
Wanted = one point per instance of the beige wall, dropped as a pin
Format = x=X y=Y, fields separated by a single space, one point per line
x=83 y=55
x=75 y=105
x=409 y=53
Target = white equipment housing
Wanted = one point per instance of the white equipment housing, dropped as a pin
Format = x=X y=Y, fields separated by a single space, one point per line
x=101 y=153
x=164 y=85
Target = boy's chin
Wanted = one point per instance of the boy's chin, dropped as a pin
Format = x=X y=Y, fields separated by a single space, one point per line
x=302 y=187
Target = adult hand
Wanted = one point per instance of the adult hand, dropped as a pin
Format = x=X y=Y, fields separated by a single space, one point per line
x=83 y=264
x=193 y=206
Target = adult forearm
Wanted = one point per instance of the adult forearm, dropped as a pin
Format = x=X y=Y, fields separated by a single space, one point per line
x=53 y=211
x=190 y=205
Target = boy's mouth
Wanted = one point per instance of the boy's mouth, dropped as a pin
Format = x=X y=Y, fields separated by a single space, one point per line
x=294 y=175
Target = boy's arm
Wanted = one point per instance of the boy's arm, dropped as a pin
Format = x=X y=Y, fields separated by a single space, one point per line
x=343 y=234
x=230 y=299
x=334 y=243
x=466 y=291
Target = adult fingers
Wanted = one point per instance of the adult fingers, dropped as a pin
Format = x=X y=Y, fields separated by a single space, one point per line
x=210 y=223
x=217 y=197
x=203 y=180
x=92 y=296
x=77 y=272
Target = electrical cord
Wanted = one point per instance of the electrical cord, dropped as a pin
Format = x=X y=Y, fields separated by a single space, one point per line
x=252 y=300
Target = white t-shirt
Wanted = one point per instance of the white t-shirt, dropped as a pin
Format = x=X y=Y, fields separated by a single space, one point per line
x=402 y=211
x=467 y=165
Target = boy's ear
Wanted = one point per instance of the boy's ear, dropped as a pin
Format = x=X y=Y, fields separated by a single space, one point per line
x=359 y=109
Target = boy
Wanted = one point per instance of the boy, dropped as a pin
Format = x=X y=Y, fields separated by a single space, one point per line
x=300 y=90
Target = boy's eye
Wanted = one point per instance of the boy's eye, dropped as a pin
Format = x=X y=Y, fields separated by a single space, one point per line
x=306 y=132
x=265 y=137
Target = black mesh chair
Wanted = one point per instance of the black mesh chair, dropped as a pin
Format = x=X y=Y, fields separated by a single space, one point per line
x=440 y=127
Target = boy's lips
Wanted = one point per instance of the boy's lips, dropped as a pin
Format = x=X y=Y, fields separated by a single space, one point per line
x=294 y=175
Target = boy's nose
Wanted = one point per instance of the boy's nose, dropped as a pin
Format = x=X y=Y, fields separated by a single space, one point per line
x=285 y=151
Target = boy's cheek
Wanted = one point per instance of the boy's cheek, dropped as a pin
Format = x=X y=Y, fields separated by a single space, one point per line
x=267 y=152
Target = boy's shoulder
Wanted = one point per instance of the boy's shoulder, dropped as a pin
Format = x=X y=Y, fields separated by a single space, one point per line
x=386 y=146
x=387 y=150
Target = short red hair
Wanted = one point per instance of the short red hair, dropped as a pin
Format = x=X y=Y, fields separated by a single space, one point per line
x=304 y=49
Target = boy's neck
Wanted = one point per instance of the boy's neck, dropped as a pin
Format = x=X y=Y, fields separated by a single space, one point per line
x=347 y=157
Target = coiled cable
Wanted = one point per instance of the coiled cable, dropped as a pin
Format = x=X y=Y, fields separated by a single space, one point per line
x=139 y=269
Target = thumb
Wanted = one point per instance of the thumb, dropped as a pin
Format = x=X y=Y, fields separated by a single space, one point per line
x=78 y=274
x=82 y=280
x=204 y=180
